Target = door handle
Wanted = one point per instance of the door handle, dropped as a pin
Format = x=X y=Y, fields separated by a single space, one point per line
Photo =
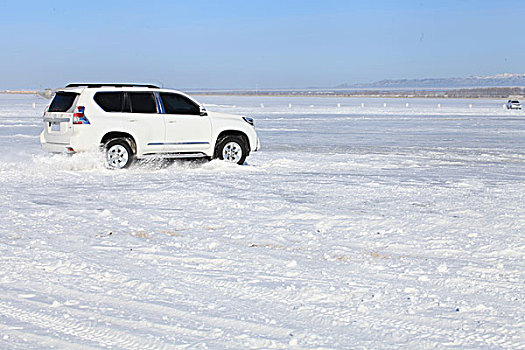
x=132 y=120
x=172 y=121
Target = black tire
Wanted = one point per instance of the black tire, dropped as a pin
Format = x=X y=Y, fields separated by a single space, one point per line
x=231 y=148
x=118 y=153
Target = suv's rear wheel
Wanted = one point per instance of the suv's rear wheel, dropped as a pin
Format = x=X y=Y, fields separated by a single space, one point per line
x=119 y=154
x=231 y=148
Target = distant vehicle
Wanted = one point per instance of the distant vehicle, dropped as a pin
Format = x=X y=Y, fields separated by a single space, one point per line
x=135 y=121
x=513 y=104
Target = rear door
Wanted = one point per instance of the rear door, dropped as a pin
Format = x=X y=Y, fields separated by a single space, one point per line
x=186 y=129
x=145 y=121
x=58 y=119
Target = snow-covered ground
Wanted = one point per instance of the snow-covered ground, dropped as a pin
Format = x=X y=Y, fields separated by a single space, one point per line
x=359 y=226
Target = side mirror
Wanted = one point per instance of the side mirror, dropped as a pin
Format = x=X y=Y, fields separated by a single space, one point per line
x=203 y=112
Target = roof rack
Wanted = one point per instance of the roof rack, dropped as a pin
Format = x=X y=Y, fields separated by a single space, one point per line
x=115 y=85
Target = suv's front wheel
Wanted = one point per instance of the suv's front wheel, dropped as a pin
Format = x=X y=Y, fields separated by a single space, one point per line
x=231 y=148
x=119 y=154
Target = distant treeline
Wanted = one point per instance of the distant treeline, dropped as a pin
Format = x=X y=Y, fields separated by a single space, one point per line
x=496 y=92
x=482 y=92
x=486 y=92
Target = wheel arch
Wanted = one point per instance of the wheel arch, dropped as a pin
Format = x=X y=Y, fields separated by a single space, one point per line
x=234 y=133
x=120 y=134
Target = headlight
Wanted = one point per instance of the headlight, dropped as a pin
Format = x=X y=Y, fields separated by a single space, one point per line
x=248 y=120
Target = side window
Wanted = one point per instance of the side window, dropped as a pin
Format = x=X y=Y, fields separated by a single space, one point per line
x=110 y=101
x=142 y=102
x=177 y=104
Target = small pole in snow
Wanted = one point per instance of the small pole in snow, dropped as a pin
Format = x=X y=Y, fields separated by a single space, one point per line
x=338 y=105
x=289 y=105
x=439 y=105
x=34 y=105
x=362 y=105
x=470 y=105
x=406 y=105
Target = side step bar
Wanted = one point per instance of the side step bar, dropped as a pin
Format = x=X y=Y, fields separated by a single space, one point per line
x=174 y=155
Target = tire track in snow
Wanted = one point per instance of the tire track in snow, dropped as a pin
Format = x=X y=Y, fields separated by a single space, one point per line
x=104 y=275
x=38 y=341
x=439 y=330
x=138 y=325
x=206 y=279
x=96 y=335
x=426 y=326
x=142 y=308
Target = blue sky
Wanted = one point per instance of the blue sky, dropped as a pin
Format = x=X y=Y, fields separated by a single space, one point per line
x=241 y=44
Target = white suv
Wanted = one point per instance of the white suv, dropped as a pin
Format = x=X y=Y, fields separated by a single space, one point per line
x=513 y=104
x=137 y=121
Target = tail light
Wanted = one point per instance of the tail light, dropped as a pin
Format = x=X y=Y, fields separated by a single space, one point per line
x=79 y=117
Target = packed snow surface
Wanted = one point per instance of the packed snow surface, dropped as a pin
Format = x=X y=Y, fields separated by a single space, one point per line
x=361 y=223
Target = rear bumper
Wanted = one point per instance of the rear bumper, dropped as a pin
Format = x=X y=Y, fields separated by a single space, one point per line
x=57 y=147
x=54 y=147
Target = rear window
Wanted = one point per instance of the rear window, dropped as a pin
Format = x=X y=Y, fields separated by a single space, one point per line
x=177 y=104
x=62 y=102
x=142 y=102
x=110 y=101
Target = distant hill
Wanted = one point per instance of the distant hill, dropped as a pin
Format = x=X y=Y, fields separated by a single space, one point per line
x=498 y=80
